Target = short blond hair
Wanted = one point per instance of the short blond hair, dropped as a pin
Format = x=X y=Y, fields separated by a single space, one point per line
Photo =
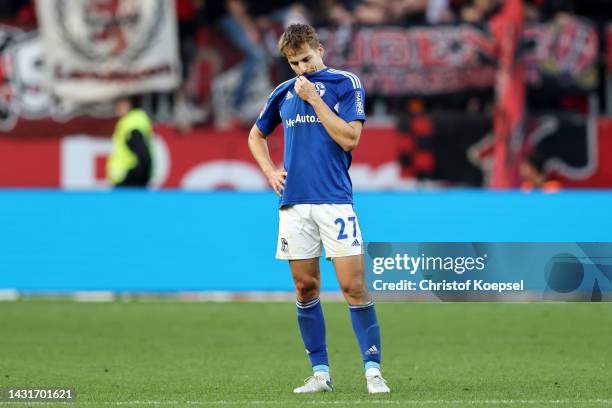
x=295 y=36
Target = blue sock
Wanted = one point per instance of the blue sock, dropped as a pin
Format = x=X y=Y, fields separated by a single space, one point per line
x=367 y=331
x=312 y=327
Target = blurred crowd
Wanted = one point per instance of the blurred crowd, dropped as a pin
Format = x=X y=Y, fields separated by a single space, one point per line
x=253 y=28
x=257 y=15
x=215 y=35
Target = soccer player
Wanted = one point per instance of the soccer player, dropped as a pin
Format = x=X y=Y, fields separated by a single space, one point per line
x=322 y=112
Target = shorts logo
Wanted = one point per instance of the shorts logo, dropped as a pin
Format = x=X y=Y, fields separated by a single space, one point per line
x=359 y=102
x=320 y=88
x=284 y=245
x=356 y=243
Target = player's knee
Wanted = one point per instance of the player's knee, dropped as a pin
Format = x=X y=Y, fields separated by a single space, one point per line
x=354 y=289
x=307 y=289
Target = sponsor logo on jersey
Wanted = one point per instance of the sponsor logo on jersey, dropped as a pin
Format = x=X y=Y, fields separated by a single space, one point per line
x=359 y=102
x=299 y=119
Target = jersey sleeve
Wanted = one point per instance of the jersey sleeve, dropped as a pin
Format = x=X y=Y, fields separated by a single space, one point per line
x=352 y=100
x=270 y=117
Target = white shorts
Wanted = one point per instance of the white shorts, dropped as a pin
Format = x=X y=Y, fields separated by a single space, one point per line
x=304 y=227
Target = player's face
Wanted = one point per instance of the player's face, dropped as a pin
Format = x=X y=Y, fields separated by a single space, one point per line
x=306 y=60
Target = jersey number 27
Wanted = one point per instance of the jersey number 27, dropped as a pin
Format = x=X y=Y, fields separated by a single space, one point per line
x=340 y=221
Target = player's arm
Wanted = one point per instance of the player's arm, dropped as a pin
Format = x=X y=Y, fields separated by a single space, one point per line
x=345 y=134
x=258 y=144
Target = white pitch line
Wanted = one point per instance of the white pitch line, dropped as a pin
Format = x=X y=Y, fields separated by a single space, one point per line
x=337 y=402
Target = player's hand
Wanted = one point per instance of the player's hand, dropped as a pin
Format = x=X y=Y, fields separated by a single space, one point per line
x=276 y=178
x=305 y=89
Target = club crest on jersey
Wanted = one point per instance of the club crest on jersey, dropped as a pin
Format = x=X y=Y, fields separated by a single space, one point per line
x=320 y=88
x=284 y=245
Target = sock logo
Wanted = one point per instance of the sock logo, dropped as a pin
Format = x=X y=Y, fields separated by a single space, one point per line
x=372 y=350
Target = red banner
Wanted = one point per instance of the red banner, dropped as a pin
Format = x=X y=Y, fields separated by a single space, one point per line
x=386 y=159
x=204 y=159
x=598 y=169
x=422 y=60
x=564 y=52
x=448 y=59
x=509 y=96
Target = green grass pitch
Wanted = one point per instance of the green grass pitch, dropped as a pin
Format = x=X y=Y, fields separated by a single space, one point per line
x=167 y=353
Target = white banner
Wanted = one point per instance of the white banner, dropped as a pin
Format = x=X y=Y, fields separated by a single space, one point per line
x=100 y=49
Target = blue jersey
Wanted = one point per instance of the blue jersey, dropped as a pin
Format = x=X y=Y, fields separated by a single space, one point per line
x=317 y=167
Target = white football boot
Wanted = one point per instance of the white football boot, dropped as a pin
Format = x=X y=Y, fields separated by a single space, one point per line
x=319 y=382
x=376 y=384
